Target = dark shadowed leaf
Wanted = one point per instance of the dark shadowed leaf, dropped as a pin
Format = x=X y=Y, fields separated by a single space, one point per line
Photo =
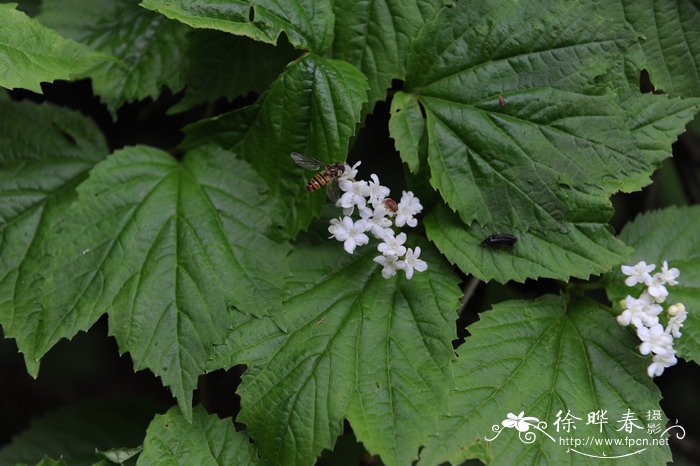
x=222 y=65
x=313 y=107
x=148 y=50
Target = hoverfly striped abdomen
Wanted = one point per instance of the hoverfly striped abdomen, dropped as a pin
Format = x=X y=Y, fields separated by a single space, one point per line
x=330 y=173
x=318 y=180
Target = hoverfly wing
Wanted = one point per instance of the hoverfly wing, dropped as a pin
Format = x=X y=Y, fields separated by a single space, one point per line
x=307 y=162
x=333 y=191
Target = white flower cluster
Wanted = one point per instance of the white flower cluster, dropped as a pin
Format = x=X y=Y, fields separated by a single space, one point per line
x=643 y=313
x=376 y=211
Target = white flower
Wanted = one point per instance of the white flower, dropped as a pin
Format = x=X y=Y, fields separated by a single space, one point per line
x=376 y=192
x=411 y=262
x=521 y=422
x=377 y=220
x=408 y=206
x=336 y=226
x=389 y=264
x=354 y=194
x=638 y=273
x=349 y=174
x=654 y=340
x=392 y=245
x=661 y=362
x=640 y=312
x=346 y=211
x=667 y=276
x=675 y=323
x=657 y=289
x=352 y=234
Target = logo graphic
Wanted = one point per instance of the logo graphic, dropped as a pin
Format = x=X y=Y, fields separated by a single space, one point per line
x=528 y=428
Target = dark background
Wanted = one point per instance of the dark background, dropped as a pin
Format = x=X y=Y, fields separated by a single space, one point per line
x=90 y=369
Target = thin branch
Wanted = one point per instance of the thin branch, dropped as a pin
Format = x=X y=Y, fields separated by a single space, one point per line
x=684 y=161
x=469 y=290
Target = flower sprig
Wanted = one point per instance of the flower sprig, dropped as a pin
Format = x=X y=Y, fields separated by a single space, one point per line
x=378 y=215
x=643 y=312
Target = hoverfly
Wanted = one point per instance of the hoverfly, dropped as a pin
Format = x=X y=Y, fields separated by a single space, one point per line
x=499 y=240
x=327 y=177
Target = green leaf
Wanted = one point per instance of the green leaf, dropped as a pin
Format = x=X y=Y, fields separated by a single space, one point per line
x=541 y=357
x=656 y=122
x=119 y=455
x=167 y=250
x=407 y=127
x=668 y=36
x=46 y=461
x=205 y=440
x=30 y=7
x=312 y=108
x=667 y=235
x=148 y=49
x=583 y=249
x=358 y=346
x=375 y=36
x=307 y=23
x=524 y=163
x=525 y=133
x=38 y=176
x=31 y=54
x=73 y=432
x=222 y=65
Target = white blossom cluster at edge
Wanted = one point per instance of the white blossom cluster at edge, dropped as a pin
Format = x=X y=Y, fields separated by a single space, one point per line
x=643 y=313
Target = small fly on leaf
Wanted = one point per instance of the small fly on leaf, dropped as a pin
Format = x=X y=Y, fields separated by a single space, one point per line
x=499 y=240
x=501 y=101
x=328 y=176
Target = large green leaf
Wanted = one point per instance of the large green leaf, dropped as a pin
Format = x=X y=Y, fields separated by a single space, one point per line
x=167 y=250
x=358 y=346
x=669 y=39
x=307 y=23
x=584 y=248
x=222 y=65
x=73 y=432
x=205 y=440
x=148 y=49
x=667 y=235
x=38 y=176
x=312 y=108
x=557 y=138
x=541 y=357
x=525 y=132
x=31 y=54
x=375 y=36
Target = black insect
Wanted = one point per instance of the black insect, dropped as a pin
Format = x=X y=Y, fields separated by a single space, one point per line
x=499 y=240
